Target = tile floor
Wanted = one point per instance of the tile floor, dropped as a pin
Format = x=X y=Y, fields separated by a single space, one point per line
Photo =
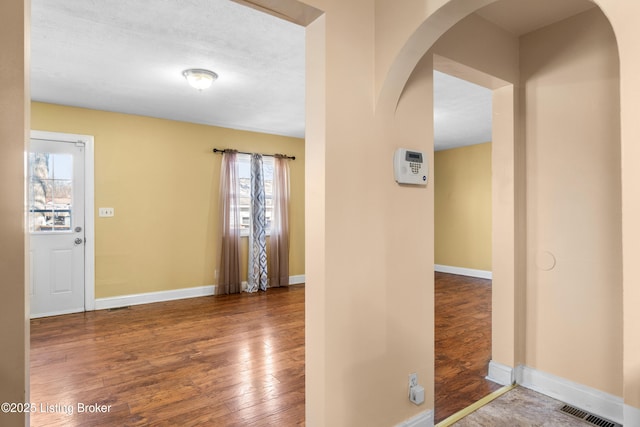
x=521 y=407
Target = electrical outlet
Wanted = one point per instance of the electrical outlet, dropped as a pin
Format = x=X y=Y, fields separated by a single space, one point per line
x=413 y=380
x=106 y=212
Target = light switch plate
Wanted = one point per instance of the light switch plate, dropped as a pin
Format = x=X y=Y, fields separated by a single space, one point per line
x=106 y=212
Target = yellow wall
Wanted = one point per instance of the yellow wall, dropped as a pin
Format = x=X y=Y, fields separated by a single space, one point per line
x=574 y=246
x=462 y=181
x=162 y=178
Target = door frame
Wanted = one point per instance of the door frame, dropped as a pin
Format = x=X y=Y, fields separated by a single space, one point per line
x=89 y=207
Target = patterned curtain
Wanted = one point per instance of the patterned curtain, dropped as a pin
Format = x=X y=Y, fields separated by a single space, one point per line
x=279 y=238
x=257 y=276
x=229 y=249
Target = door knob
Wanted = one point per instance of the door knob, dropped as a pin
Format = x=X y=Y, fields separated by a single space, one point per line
x=78 y=241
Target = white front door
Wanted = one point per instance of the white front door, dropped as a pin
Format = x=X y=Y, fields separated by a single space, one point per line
x=56 y=221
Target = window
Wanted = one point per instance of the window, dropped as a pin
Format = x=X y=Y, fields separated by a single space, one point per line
x=50 y=191
x=244 y=199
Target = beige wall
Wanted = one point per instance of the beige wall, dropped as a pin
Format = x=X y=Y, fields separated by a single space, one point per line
x=358 y=352
x=315 y=191
x=462 y=182
x=510 y=190
x=14 y=128
x=386 y=296
x=163 y=181
x=371 y=323
x=574 y=263
x=623 y=17
x=409 y=254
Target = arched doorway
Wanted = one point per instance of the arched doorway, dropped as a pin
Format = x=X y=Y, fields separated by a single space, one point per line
x=547 y=207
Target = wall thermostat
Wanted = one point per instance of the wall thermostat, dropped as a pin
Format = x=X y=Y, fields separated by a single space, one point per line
x=410 y=167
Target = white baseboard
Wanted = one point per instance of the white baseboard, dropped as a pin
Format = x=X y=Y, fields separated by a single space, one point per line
x=631 y=416
x=586 y=398
x=500 y=374
x=483 y=274
x=423 y=419
x=174 y=294
x=150 y=297
x=297 y=280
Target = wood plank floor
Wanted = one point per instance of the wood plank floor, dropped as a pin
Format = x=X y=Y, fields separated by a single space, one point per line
x=216 y=361
x=226 y=360
x=462 y=342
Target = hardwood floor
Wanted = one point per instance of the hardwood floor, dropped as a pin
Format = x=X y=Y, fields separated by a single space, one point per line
x=226 y=360
x=216 y=361
x=462 y=342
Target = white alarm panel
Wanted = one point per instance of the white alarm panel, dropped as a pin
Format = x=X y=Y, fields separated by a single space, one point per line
x=410 y=167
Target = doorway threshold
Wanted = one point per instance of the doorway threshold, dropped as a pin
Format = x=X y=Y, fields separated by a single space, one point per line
x=474 y=407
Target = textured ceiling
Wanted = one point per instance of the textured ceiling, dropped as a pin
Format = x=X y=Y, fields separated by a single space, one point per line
x=461 y=112
x=128 y=56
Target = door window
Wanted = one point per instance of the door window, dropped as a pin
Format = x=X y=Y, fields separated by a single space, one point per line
x=50 y=192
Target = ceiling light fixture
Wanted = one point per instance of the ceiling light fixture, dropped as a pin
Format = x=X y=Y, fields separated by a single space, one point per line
x=199 y=78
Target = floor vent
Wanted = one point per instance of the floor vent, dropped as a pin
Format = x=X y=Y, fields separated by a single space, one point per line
x=588 y=417
x=118 y=308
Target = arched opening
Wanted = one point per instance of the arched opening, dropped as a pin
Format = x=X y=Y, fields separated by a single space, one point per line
x=564 y=96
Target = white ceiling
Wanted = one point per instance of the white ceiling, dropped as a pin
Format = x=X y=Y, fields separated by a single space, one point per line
x=461 y=112
x=128 y=56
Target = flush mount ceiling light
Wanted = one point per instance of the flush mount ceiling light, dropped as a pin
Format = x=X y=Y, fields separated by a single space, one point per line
x=199 y=78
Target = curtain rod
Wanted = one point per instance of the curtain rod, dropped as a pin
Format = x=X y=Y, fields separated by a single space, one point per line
x=218 y=150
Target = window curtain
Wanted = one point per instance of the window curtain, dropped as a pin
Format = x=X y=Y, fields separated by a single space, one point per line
x=257 y=275
x=279 y=237
x=229 y=250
